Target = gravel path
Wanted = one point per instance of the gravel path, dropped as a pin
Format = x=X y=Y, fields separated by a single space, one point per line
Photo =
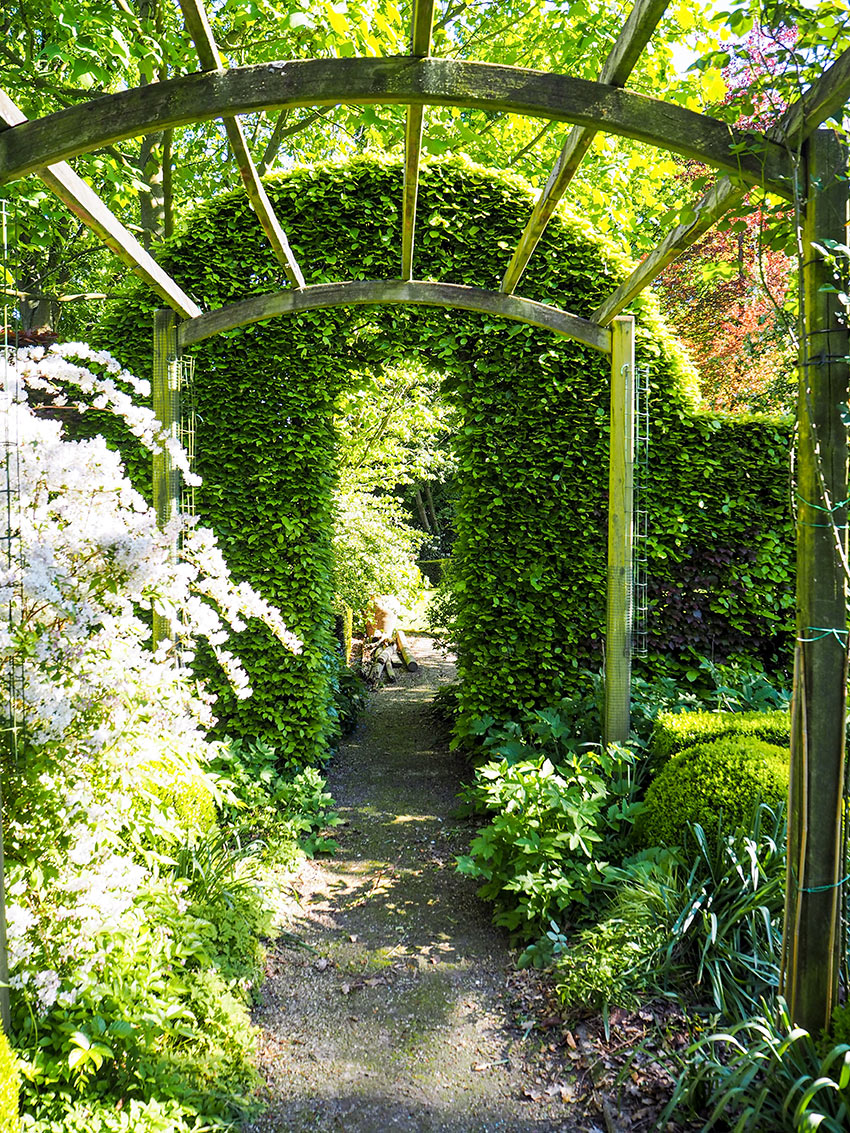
x=399 y=1017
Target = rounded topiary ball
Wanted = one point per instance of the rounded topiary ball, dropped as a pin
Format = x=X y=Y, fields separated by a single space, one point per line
x=9 y=1087
x=720 y=781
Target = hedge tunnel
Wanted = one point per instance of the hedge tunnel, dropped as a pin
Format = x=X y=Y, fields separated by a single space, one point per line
x=528 y=554
x=532 y=448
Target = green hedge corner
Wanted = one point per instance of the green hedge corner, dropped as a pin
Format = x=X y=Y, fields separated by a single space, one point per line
x=675 y=731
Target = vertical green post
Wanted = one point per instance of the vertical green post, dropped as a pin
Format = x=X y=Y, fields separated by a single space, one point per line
x=166 y=406
x=5 y=1012
x=618 y=631
x=812 y=935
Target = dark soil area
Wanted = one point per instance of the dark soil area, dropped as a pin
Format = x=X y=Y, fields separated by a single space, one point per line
x=402 y=1009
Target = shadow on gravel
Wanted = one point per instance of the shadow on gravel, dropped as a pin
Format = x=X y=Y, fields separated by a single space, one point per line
x=331 y=1114
x=396 y=1014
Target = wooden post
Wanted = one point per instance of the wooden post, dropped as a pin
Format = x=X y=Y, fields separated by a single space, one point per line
x=5 y=1012
x=166 y=406
x=812 y=936
x=618 y=632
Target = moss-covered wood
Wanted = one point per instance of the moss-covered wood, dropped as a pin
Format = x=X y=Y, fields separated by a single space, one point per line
x=825 y=98
x=399 y=80
x=637 y=31
x=199 y=28
x=84 y=203
x=812 y=939
x=356 y=293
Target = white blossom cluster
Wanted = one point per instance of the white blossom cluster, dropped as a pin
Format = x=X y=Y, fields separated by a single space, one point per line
x=84 y=554
x=81 y=555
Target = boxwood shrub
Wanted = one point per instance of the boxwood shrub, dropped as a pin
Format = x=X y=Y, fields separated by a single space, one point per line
x=673 y=732
x=717 y=785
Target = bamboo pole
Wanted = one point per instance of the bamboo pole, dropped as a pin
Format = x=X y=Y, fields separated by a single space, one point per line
x=618 y=632
x=812 y=936
x=166 y=406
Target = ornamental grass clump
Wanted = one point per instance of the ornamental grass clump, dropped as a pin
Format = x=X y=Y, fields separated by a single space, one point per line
x=705 y=927
x=764 y=1073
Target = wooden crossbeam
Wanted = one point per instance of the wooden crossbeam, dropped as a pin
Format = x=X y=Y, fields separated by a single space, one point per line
x=199 y=28
x=82 y=200
x=637 y=31
x=420 y=39
x=392 y=81
x=823 y=100
x=377 y=292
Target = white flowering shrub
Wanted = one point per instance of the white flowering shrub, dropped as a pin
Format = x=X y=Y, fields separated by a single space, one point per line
x=115 y=964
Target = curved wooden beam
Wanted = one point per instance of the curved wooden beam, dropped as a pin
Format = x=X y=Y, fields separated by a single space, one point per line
x=399 y=80
x=825 y=98
x=370 y=292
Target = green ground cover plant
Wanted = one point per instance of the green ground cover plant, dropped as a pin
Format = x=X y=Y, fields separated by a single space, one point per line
x=10 y=1087
x=554 y=822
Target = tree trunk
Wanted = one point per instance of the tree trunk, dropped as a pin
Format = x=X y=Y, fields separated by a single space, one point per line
x=420 y=507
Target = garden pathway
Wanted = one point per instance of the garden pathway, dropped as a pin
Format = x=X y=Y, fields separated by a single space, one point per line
x=400 y=1016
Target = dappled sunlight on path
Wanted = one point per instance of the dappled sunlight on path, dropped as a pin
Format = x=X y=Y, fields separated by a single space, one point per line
x=397 y=1015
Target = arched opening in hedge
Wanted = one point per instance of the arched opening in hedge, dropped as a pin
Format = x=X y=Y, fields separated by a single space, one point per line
x=532 y=447
x=794 y=158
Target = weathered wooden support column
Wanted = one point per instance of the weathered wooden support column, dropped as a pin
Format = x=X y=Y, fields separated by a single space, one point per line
x=618 y=631
x=5 y=1011
x=166 y=406
x=812 y=937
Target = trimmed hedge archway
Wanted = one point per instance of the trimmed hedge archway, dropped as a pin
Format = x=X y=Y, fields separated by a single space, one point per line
x=532 y=449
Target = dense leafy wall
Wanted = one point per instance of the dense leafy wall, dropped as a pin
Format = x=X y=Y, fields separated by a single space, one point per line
x=532 y=447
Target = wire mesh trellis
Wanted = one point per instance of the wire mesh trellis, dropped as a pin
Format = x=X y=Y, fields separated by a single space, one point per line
x=10 y=488
x=185 y=378
x=640 y=545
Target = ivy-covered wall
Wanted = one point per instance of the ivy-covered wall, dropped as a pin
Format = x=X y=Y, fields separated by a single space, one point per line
x=532 y=448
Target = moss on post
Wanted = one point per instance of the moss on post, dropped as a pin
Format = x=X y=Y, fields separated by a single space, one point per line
x=812 y=936
x=166 y=406
x=618 y=630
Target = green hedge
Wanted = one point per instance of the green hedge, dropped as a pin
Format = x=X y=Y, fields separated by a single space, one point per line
x=673 y=732
x=532 y=448
x=720 y=782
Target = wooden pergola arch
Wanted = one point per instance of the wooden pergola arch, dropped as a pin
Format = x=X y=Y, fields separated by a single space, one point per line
x=793 y=160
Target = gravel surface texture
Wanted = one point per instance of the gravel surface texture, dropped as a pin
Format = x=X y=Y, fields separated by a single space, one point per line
x=399 y=1013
